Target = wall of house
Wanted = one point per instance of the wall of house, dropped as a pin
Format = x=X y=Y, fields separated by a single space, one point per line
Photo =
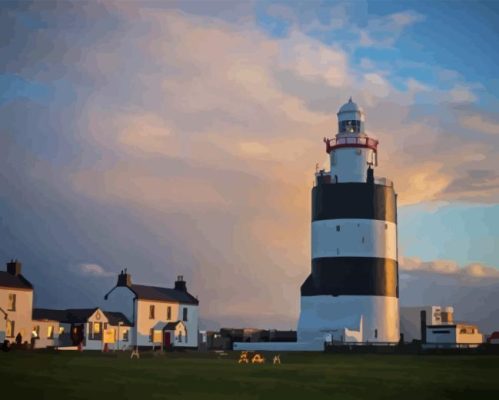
x=441 y=335
x=468 y=335
x=145 y=323
x=43 y=339
x=21 y=315
x=94 y=341
x=192 y=324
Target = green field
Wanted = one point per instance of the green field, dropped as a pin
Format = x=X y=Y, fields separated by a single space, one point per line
x=72 y=375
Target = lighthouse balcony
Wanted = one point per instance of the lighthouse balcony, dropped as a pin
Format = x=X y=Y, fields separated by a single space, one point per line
x=324 y=177
x=335 y=143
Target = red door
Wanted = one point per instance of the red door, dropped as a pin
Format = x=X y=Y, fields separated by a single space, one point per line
x=166 y=340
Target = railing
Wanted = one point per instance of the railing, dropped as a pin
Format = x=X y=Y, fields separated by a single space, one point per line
x=335 y=143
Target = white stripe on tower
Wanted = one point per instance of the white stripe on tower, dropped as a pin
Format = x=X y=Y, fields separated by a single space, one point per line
x=354 y=238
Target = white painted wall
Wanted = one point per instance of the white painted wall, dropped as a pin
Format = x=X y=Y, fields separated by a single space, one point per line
x=350 y=163
x=441 y=335
x=278 y=346
x=322 y=315
x=474 y=337
x=145 y=324
x=356 y=238
x=97 y=317
x=43 y=340
x=22 y=315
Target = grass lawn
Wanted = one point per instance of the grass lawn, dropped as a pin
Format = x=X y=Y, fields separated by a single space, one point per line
x=312 y=376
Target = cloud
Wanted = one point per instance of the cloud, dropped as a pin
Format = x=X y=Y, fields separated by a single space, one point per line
x=92 y=270
x=479 y=123
x=384 y=31
x=448 y=267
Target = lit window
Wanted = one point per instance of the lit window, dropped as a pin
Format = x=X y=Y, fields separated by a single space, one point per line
x=12 y=302
x=185 y=314
x=61 y=330
x=10 y=329
x=151 y=312
x=95 y=330
x=50 y=332
x=168 y=313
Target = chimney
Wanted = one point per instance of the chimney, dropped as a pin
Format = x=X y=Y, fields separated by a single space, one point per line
x=180 y=284
x=14 y=267
x=124 y=279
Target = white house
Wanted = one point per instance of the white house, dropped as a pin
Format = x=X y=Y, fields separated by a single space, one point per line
x=162 y=317
x=93 y=328
x=413 y=320
x=453 y=335
x=46 y=328
x=16 y=304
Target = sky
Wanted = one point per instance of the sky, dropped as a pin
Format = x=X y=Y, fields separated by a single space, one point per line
x=181 y=138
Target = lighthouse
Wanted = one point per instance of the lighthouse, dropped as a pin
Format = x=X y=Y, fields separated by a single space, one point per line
x=351 y=294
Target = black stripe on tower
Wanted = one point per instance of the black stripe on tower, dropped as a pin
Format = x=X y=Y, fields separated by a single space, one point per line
x=354 y=200
x=354 y=276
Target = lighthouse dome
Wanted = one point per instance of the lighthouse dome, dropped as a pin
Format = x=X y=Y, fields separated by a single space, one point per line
x=350 y=106
x=350 y=118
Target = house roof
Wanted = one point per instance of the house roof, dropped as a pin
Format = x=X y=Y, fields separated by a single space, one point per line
x=51 y=315
x=14 y=281
x=77 y=315
x=170 y=326
x=115 y=317
x=144 y=292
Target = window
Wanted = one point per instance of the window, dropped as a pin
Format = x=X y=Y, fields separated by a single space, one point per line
x=61 y=330
x=169 y=313
x=10 y=329
x=184 y=317
x=151 y=311
x=375 y=333
x=105 y=325
x=441 y=332
x=363 y=239
x=337 y=228
x=180 y=335
x=95 y=330
x=125 y=335
x=351 y=126
x=333 y=157
x=36 y=331
x=12 y=302
x=151 y=334
x=50 y=332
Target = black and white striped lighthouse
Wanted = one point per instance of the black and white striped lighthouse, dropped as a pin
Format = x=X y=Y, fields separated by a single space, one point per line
x=351 y=294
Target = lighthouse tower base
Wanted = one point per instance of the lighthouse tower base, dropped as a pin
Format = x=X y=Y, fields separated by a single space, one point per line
x=349 y=319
